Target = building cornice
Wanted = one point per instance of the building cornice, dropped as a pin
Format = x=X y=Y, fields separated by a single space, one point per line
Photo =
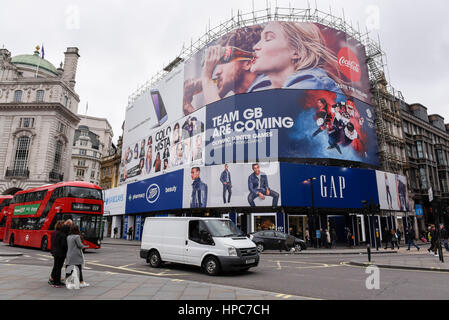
x=39 y=107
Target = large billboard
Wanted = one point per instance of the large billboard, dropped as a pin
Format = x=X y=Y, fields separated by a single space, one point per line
x=290 y=124
x=299 y=88
x=393 y=193
x=232 y=185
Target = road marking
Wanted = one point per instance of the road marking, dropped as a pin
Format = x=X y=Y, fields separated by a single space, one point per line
x=322 y=265
x=127 y=265
x=137 y=271
x=346 y=264
x=279 y=266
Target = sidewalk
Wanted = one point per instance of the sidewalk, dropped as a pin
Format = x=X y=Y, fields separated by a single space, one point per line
x=20 y=282
x=407 y=260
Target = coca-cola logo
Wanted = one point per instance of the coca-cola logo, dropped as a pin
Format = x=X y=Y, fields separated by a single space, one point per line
x=349 y=64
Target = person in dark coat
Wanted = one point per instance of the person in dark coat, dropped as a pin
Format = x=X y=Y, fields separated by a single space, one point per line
x=410 y=236
x=388 y=237
x=59 y=252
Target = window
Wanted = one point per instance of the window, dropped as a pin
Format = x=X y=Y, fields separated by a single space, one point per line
x=83 y=193
x=420 y=149
x=40 y=96
x=27 y=122
x=21 y=157
x=92 y=174
x=82 y=152
x=80 y=172
x=423 y=178
x=61 y=127
x=66 y=101
x=82 y=163
x=18 y=96
x=83 y=143
x=58 y=156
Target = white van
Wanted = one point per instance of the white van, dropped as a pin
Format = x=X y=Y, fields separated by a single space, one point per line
x=211 y=243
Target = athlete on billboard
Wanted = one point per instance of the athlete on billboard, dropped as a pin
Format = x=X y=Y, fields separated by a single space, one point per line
x=225 y=179
x=259 y=188
x=226 y=69
x=323 y=117
x=294 y=55
x=199 y=190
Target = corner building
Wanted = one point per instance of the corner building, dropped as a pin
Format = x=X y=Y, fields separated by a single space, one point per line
x=38 y=117
x=299 y=155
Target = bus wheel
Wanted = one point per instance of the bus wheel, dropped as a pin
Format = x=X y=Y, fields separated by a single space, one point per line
x=44 y=244
x=11 y=241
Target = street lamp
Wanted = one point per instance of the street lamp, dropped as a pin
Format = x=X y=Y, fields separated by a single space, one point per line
x=310 y=180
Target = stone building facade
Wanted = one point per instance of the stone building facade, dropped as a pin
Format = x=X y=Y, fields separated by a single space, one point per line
x=38 y=118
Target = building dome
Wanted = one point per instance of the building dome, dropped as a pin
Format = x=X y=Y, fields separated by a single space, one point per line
x=34 y=60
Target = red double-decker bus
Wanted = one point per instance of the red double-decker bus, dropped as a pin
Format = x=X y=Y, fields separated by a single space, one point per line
x=33 y=214
x=4 y=205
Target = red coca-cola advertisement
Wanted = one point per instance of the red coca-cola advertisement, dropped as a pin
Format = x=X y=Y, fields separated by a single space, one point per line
x=274 y=55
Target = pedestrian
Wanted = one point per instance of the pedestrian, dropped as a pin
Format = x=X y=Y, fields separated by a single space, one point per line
x=348 y=237
x=433 y=241
x=59 y=251
x=130 y=233
x=399 y=233
x=115 y=233
x=388 y=238
x=307 y=237
x=394 y=239
x=328 y=238
x=410 y=236
x=444 y=237
x=333 y=238
x=75 y=255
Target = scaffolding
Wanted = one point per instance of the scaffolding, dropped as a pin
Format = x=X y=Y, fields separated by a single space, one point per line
x=375 y=57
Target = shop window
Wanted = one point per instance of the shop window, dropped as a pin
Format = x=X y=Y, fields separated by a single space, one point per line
x=264 y=223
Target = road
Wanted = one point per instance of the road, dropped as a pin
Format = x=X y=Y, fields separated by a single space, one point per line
x=311 y=276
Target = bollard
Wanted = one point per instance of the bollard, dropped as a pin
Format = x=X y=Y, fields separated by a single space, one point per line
x=368 y=249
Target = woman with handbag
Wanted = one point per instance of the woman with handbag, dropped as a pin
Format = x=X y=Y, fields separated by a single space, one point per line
x=75 y=255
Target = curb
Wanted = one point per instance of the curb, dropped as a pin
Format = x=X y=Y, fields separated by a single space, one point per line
x=304 y=252
x=387 y=266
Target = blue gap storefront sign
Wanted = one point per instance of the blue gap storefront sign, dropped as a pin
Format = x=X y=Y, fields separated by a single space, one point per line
x=163 y=192
x=334 y=187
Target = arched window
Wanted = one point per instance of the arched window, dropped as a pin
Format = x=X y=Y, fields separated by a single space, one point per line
x=22 y=151
x=18 y=96
x=40 y=96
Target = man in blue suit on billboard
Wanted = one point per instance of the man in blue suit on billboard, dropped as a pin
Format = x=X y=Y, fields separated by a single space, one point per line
x=258 y=187
x=225 y=179
x=199 y=190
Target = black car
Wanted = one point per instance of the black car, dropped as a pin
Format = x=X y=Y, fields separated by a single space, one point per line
x=275 y=240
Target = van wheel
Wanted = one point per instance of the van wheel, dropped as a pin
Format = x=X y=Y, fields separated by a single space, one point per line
x=211 y=266
x=44 y=244
x=260 y=247
x=154 y=259
x=11 y=241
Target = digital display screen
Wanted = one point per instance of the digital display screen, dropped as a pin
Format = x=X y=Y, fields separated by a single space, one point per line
x=86 y=207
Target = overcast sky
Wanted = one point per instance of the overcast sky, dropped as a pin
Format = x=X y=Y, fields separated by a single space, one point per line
x=124 y=43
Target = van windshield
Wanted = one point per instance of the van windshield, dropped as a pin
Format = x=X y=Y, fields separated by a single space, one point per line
x=222 y=228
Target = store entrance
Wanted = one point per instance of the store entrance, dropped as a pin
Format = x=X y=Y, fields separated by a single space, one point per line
x=297 y=226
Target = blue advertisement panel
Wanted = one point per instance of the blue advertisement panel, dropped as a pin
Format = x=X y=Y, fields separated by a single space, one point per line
x=333 y=187
x=155 y=194
x=290 y=124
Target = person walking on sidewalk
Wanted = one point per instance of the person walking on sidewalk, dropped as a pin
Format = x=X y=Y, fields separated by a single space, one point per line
x=433 y=241
x=130 y=233
x=333 y=238
x=328 y=238
x=444 y=237
x=75 y=255
x=388 y=239
x=59 y=251
x=394 y=239
x=115 y=233
x=410 y=236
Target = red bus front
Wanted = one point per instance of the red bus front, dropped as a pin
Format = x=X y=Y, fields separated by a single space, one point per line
x=4 y=203
x=31 y=223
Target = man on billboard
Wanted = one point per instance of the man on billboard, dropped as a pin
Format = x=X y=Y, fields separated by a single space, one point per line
x=226 y=68
x=259 y=188
x=199 y=190
x=225 y=179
